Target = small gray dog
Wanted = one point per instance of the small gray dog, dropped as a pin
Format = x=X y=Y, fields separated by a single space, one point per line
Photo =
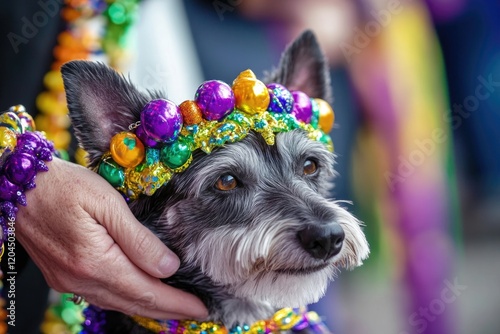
x=273 y=241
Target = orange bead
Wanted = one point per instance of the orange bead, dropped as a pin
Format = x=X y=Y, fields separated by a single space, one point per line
x=191 y=113
x=70 y=14
x=326 y=115
x=252 y=95
x=126 y=149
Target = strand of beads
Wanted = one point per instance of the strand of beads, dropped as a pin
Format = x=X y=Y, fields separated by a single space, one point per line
x=286 y=319
x=80 y=40
x=167 y=134
x=23 y=153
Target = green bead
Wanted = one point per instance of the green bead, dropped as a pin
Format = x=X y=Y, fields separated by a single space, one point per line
x=112 y=172
x=152 y=156
x=176 y=154
x=140 y=167
x=315 y=114
x=325 y=139
x=63 y=154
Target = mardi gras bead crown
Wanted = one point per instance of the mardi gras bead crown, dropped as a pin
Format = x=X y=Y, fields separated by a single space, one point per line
x=162 y=142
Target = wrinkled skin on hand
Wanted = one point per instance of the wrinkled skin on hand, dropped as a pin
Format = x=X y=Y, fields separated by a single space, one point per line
x=81 y=234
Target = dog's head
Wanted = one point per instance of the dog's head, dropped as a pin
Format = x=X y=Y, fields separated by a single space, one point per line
x=253 y=218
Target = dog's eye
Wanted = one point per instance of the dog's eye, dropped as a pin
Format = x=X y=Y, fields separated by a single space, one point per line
x=226 y=182
x=310 y=167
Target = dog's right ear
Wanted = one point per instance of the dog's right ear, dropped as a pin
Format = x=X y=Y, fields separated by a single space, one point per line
x=303 y=67
x=101 y=103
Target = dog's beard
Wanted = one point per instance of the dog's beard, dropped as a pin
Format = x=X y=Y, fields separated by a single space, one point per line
x=266 y=263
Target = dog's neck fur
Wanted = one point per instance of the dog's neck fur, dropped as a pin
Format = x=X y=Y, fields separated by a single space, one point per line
x=223 y=307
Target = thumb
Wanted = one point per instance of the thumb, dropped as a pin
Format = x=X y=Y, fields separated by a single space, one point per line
x=140 y=245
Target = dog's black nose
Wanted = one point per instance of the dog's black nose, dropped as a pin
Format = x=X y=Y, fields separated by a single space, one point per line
x=322 y=241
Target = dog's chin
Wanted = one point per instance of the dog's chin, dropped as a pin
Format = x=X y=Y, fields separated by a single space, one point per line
x=287 y=287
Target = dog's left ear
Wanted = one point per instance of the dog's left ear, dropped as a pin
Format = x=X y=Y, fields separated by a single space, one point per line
x=303 y=67
x=101 y=103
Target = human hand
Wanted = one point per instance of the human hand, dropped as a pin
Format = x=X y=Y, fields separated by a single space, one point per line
x=83 y=237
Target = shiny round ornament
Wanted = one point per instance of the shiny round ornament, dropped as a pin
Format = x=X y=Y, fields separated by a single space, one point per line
x=215 y=99
x=302 y=108
x=126 y=149
x=252 y=95
x=144 y=138
x=8 y=139
x=10 y=120
x=191 y=113
x=112 y=172
x=26 y=120
x=161 y=120
x=20 y=168
x=326 y=115
x=176 y=154
x=281 y=100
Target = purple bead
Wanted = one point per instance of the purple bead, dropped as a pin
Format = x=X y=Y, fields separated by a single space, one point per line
x=215 y=99
x=281 y=99
x=8 y=209
x=21 y=199
x=20 y=168
x=161 y=120
x=29 y=141
x=5 y=232
x=144 y=138
x=302 y=108
x=31 y=184
x=8 y=190
x=45 y=154
x=41 y=166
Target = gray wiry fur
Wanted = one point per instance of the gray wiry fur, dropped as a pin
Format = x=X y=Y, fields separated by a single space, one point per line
x=239 y=249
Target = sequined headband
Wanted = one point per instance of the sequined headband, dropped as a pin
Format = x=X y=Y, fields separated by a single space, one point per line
x=162 y=142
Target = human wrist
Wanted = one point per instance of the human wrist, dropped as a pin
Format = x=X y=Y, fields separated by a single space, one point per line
x=23 y=153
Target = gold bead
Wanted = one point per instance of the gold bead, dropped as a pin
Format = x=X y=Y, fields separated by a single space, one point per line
x=8 y=138
x=258 y=327
x=53 y=81
x=10 y=120
x=326 y=115
x=251 y=95
x=285 y=318
x=61 y=138
x=126 y=149
x=191 y=113
x=51 y=103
